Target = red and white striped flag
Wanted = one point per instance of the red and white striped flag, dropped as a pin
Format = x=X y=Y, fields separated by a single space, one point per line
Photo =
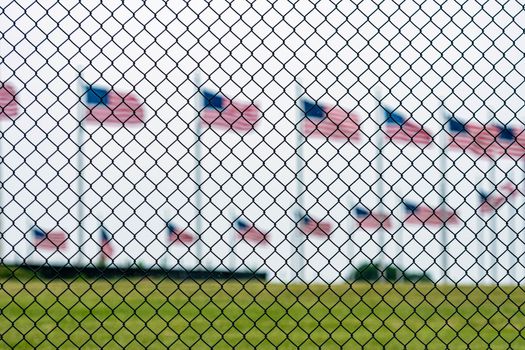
x=249 y=233
x=106 y=248
x=399 y=128
x=50 y=241
x=329 y=122
x=8 y=104
x=492 y=202
x=223 y=113
x=309 y=226
x=109 y=106
x=425 y=216
x=470 y=137
x=178 y=236
x=372 y=221
x=505 y=141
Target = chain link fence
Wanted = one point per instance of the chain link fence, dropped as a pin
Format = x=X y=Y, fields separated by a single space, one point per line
x=270 y=174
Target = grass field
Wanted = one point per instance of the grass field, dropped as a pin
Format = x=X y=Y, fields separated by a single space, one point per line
x=157 y=314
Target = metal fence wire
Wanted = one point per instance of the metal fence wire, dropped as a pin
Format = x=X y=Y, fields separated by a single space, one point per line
x=263 y=174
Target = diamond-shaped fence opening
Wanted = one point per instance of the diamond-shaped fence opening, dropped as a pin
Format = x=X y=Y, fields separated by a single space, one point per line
x=270 y=174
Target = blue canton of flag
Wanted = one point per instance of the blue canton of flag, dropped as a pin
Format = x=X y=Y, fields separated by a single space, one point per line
x=507 y=142
x=108 y=106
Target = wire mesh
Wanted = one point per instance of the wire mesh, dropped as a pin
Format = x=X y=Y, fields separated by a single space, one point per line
x=270 y=174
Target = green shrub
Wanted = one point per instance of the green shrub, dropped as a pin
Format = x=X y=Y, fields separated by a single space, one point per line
x=373 y=272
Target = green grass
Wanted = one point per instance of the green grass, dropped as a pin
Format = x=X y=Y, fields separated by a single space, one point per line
x=159 y=314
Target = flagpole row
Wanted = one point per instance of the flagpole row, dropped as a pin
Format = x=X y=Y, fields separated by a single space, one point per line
x=492 y=248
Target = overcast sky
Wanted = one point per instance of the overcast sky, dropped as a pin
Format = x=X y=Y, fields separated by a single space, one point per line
x=413 y=55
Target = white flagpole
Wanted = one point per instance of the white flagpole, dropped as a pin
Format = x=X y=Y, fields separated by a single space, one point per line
x=102 y=257
x=482 y=244
x=513 y=212
x=166 y=242
x=350 y=249
x=3 y=242
x=482 y=252
x=492 y=226
x=80 y=166
x=300 y=238
x=198 y=170
x=399 y=233
x=29 y=238
x=486 y=236
x=519 y=233
x=380 y=144
x=233 y=258
x=443 y=194
x=493 y=220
